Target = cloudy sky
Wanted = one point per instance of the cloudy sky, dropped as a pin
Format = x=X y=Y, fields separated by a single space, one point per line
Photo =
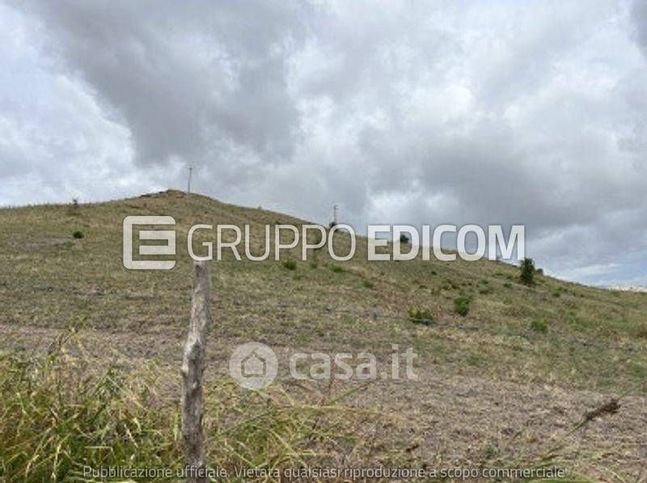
x=529 y=112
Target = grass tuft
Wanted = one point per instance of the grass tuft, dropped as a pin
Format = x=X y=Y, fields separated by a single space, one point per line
x=421 y=316
x=462 y=305
x=290 y=264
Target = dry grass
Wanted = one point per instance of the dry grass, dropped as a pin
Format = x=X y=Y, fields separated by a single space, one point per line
x=592 y=350
x=65 y=411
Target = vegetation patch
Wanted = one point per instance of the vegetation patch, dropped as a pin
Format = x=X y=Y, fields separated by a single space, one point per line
x=421 y=316
x=462 y=305
x=61 y=413
x=527 y=271
x=539 y=325
x=290 y=264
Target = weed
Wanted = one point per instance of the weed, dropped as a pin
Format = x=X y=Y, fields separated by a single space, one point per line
x=421 y=316
x=290 y=264
x=462 y=305
x=539 y=325
x=78 y=234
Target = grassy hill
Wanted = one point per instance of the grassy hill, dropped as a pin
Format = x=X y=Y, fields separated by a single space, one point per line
x=502 y=384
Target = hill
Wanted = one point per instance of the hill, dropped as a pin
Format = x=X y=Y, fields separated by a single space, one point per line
x=502 y=383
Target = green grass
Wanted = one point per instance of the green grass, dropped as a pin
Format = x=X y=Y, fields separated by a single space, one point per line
x=462 y=305
x=539 y=325
x=421 y=316
x=290 y=264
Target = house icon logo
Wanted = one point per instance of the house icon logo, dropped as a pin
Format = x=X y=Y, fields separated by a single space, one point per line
x=253 y=365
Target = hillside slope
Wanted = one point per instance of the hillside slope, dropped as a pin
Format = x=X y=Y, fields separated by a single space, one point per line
x=556 y=349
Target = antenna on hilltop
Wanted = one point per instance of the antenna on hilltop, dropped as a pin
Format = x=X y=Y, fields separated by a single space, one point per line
x=188 y=185
x=334 y=215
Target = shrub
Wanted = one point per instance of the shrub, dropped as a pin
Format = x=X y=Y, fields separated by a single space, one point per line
x=462 y=305
x=290 y=264
x=78 y=234
x=337 y=268
x=527 y=274
x=404 y=238
x=539 y=325
x=367 y=284
x=421 y=316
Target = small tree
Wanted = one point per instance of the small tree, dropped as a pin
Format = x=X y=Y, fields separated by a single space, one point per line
x=527 y=274
x=404 y=238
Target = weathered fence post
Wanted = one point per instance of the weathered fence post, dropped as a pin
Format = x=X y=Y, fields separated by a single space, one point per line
x=192 y=371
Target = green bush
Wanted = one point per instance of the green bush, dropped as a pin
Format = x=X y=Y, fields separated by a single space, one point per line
x=337 y=268
x=527 y=274
x=539 y=325
x=290 y=264
x=78 y=234
x=367 y=284
x=421 y=316
x=462 y=305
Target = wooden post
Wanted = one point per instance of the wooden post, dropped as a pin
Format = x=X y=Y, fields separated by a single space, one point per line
x=192 y=371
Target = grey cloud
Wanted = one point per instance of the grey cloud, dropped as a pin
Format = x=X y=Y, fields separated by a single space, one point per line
x=184 y=80
x=640 y=19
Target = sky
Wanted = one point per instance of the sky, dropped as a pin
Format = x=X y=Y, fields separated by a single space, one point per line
x=421 y=112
